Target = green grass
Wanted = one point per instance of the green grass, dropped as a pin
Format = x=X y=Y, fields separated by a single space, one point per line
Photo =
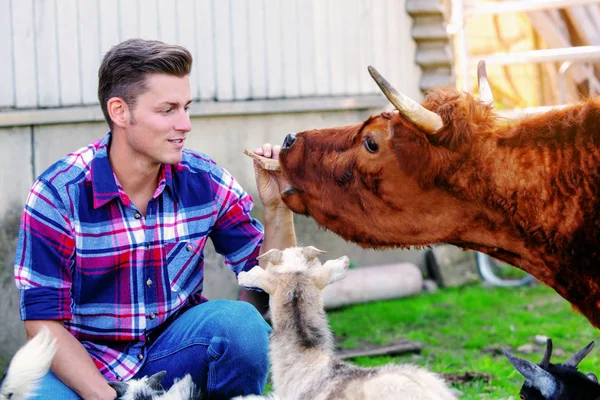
x=462 y=329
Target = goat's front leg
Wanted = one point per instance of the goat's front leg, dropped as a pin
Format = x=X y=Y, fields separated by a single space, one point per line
x=255 y=278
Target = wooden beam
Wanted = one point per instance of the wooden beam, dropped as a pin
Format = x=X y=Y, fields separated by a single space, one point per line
x=583 y=25
x=522 y=6
x=402 y=347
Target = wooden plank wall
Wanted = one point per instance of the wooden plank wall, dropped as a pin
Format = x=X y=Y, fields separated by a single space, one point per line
x=50 y=50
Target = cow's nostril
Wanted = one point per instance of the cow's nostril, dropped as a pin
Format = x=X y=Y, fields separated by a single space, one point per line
x=289 y=140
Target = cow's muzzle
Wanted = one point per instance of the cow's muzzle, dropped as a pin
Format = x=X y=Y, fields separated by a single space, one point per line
x=289 y=140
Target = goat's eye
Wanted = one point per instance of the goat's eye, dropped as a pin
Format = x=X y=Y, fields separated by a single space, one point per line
x=522 y=397
x=371 y=145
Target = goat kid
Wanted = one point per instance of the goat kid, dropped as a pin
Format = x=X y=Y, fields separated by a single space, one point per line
x=547 y=381
x=301 y=349
x=150 y=388
x=28 y=366
x=32 y=362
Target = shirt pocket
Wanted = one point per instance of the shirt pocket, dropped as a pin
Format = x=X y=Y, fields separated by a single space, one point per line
x=182 y=261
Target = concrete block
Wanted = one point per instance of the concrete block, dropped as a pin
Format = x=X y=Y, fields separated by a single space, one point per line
x=452 y=266
x=381 y=282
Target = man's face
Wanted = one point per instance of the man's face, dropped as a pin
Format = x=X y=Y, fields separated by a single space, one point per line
x=159 y=121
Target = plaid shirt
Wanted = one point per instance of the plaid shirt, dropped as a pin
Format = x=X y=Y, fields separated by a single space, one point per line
x=86 y=255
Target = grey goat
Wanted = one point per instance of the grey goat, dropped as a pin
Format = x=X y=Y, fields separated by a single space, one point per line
x=301 y=349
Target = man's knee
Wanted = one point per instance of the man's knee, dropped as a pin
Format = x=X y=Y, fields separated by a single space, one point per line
x=244 y=329
x=52 y=388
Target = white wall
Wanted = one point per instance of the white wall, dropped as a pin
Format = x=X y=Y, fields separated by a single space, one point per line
x=50 y=50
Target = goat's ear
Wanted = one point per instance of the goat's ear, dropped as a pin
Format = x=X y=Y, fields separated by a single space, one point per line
x=333 y=270
x=120 y=388
x=257 y=278
x=155 y=380
x=535 y=375
x=576 y=358
x=273 y=256
x=311 y=252
x=592 y=377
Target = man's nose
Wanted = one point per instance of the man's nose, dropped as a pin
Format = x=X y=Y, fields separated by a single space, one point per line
x=184 y=124
x=289 y=140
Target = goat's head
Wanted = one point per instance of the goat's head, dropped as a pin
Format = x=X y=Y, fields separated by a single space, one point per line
x=150 y=388
x=384 y=182
x=292 y=265
x=143 y=388
x=547 y=381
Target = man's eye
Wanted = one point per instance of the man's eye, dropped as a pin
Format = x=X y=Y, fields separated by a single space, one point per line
x=168 y=111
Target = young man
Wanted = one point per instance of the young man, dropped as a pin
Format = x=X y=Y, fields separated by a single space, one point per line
x=110 y=252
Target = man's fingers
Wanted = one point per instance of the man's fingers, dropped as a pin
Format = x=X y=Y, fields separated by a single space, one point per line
x=276 y=150
x=267 y=150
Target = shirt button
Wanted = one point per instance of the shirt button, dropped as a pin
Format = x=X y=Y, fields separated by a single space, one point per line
x=137 y=215
x=152 y=316
x=149 y=282
x=119 y=378
x=189 y=247
x=140 y=356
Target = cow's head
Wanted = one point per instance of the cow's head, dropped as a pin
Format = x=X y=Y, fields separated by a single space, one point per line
x=387 y=181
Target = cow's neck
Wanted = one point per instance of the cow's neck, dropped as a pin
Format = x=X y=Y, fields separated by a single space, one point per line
x=539 y=216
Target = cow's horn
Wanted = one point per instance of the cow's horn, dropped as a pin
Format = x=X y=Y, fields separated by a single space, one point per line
x=485 y=91
x=422 y=117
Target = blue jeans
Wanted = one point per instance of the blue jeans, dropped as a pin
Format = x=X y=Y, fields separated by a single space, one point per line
x=223 y=344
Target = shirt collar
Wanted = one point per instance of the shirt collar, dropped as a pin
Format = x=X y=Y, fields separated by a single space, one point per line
x=105 y=184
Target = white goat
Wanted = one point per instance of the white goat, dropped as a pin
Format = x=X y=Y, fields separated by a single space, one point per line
x=301 y=349
x=28 y=366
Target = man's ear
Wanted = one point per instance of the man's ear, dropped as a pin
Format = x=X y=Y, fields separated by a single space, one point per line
x=273 y=256
x=118 y=111
x=257 y=278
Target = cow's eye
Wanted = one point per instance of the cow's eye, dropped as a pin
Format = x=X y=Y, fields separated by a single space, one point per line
x=371 y=145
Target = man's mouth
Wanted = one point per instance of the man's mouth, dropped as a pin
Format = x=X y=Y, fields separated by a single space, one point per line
x=176 y=140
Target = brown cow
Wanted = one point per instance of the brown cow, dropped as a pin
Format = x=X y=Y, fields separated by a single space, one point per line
x=451 y=171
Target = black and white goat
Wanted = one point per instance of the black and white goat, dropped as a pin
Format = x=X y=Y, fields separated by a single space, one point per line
x=32 y=362
x=547 y=381
x=301 y=348
x=28 y=366
x=150 y=388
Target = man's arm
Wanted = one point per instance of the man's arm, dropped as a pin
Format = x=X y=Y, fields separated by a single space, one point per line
x=72 y=364
x=278 y=218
